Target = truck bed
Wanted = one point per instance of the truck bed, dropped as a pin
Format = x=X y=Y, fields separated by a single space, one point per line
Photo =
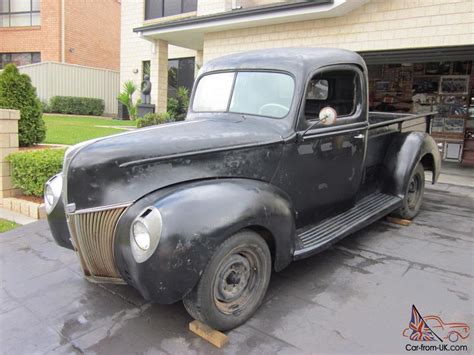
x=381 y=119
x=383 y=127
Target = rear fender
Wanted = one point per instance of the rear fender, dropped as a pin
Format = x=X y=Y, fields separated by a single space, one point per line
x=197 y=218
x=405 y=151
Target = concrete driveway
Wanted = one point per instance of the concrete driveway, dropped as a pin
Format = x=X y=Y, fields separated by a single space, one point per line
x=353 y=298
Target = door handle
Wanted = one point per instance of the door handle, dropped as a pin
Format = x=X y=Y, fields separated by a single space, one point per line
x=359 y=136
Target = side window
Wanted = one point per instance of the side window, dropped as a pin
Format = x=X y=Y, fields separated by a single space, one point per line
x=338 y=89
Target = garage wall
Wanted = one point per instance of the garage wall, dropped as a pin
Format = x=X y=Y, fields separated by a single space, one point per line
x=378 y=25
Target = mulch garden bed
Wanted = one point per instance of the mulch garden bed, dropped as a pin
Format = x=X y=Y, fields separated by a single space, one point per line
x=31 y=198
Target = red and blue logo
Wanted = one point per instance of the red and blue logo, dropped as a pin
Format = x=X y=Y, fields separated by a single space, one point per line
x=433 y=328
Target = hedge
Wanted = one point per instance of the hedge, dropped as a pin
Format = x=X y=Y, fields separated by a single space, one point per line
x=76 y=105
x=31 y=169
x=151 y=119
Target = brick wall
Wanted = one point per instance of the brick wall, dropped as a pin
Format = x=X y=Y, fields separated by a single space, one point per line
x=252 y=3
x=207 y=7
x=92 y=34
x=45 y=38
x=92 y=31
x=378 y=25
x=8 y=144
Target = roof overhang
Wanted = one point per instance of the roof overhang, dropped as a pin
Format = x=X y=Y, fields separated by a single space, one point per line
x=189 y=32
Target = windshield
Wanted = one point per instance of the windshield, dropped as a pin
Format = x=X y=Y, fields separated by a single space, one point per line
x=253 y=93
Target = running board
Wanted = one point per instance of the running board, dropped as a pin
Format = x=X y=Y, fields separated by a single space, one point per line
x=316 y=237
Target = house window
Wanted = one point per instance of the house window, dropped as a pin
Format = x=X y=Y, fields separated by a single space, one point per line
x=163 y=8
x=180 y=73
x=15 y=13
x=19 y=59
x=146 y=67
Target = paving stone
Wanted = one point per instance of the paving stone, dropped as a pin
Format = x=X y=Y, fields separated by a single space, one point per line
x=355 y=297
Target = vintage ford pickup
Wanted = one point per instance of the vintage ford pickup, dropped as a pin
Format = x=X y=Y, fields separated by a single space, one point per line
x=277 y=159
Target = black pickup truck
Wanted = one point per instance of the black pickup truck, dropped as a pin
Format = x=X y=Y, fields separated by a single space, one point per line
x=277 y=159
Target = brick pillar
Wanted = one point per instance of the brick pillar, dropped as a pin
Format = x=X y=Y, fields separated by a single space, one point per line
x=161 y=53
x=8 y=144
x=199 y=61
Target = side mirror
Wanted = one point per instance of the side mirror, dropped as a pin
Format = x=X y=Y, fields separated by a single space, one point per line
x=318 y=89
x=327 y=116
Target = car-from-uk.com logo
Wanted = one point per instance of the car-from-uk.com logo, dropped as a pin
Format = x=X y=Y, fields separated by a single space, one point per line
x=431 y=333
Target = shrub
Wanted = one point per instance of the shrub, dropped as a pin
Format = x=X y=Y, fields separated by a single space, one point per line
x=178 y=106
x=31 y=169
x=126 y=98
x=77 y=105
x=17 y=92
x=45 y=107
x=151 y=119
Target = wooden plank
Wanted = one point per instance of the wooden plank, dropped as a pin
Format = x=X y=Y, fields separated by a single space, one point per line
x=214 y=337
x=402 y=222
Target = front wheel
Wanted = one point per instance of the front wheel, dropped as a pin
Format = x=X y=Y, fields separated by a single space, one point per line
x=411 y=204
x=233 y=284
x=453 y=337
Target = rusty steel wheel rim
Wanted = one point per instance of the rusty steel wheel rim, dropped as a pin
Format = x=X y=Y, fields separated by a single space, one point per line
x=414 y=191
x=237 y=280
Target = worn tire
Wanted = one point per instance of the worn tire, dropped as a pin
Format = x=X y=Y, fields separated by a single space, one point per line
x=413 y=195
x=210 y=300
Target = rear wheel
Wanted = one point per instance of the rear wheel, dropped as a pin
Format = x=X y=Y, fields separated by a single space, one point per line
x=234 y=283
x=413 y=195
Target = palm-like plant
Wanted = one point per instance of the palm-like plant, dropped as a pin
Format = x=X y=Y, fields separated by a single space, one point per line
x=126 y=98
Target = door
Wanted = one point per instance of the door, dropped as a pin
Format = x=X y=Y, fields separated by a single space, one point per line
x=322 y=170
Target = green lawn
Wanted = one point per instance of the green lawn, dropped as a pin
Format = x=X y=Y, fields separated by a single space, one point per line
x=5 y=225
x=75 y=129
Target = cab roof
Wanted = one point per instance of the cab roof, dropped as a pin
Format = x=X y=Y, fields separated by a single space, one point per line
x=298 y=61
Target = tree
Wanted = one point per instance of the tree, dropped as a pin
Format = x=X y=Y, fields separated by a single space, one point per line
x=17 y=93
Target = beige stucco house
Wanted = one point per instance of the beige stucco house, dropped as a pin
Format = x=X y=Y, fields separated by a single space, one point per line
x=390 y=34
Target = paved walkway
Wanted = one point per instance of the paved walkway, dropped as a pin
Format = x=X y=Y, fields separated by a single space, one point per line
x=355 y=297
x=123 y=128
x=455 y=174
x=15 y=217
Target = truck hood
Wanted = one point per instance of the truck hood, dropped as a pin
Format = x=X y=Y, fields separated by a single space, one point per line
x=122 y=168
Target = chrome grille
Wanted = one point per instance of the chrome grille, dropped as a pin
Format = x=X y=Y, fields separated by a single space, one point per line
x=93 y=236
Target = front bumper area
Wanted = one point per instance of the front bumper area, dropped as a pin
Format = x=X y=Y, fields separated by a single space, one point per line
x=58 y=225
x=92 y=234
x=88 y=232
x=101 y=238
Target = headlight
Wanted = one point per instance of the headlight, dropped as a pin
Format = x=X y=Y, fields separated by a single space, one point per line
x=145 y=234
x=141 y=235
x=52 y=192
x=49 y=195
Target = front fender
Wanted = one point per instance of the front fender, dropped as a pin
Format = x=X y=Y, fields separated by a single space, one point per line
x=198 y=217
x=405 y=151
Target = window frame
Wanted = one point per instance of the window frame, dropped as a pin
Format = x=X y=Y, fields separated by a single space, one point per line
x=162 y=10
x=355 y=117
x=178 y=76
x=31 y=12
x=2 y=65
x=235 y=72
